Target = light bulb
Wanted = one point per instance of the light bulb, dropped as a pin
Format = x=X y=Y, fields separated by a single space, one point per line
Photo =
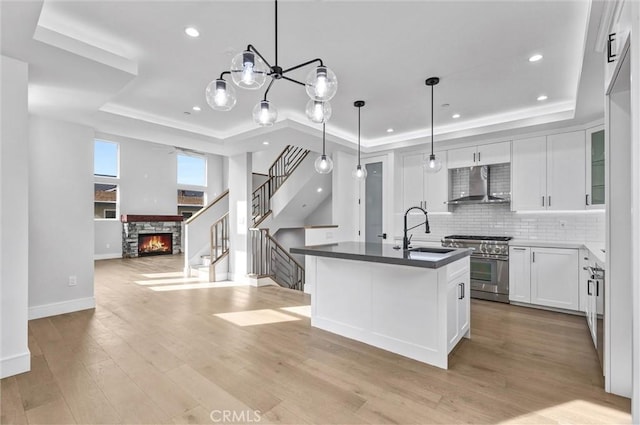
x=248 y=70
x=433 y=164
x=321 y=84
x=264 y=113
x=360 y=173
x=323 y=164
x=220 y=95
x=318 y=111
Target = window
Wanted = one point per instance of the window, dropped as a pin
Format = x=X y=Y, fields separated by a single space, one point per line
x=105 y=200
x=192 y=184
x=105 y=171
x=105 y=159
x=192 y=170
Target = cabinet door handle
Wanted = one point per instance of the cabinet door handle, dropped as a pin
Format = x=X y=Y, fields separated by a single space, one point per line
x=549 y=204
x=534 y=256
x=474 y=157
x=586 y=199
x=461 y=286
x=610 y=55
x=597 y=288
x=589 y=287
x=543 y=201
x=478 y=156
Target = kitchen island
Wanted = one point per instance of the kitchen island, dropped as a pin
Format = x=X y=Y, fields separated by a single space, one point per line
x=413 y=303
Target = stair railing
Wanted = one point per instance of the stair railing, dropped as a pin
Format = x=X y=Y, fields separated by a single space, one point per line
x=270 y=259
x=219 y=233
x=284 y=165
x=280 y=170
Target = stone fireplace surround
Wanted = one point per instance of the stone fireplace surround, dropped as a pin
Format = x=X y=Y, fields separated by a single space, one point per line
x=133 y=225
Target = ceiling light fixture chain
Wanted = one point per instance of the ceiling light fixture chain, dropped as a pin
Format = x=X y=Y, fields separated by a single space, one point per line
x=360 y=173
x=250 y=69
x=433 y=165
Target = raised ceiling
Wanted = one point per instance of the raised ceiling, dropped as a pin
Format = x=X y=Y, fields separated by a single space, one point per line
x=127 y=67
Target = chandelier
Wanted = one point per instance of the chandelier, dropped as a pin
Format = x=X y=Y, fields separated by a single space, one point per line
x=250 y=70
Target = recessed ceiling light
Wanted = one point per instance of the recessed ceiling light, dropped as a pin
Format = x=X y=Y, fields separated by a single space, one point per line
x=535 y=58
x=192 y=32
x=455 y=116
x=197 y=108
x=319 y=190
x=542 y=97
x=389 y=130
x=266 y=142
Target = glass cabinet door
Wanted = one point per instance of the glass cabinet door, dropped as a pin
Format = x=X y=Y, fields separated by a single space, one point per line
x=595 y=168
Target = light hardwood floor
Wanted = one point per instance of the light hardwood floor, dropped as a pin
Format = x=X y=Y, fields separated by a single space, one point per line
x=158 y=350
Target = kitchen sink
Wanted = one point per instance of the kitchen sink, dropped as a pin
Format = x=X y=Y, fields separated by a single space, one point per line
x=431 y=250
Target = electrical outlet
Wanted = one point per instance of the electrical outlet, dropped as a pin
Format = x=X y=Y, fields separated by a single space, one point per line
x=108 y=245
x=73 y=280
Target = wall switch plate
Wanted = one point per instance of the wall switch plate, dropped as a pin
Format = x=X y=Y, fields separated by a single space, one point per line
x=73 y=280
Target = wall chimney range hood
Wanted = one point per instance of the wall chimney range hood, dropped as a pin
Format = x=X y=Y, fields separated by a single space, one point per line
x=479 y=189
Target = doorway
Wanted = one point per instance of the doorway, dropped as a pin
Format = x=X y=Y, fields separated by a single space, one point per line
x=374 y=192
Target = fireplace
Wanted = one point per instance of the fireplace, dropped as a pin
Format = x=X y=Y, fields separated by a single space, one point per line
x=155 y=244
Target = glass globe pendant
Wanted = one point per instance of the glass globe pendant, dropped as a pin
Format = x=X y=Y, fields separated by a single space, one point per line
x=264 y=114
x=321 y=84
x=317 y=111
x=248 y=70
x=220 y=95
x=360 y=173
x=433 y=165
x=323 y=164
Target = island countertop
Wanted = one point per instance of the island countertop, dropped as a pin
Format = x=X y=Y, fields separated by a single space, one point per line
x=384 y=253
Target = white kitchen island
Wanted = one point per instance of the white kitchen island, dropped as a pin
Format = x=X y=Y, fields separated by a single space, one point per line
x=411 y=303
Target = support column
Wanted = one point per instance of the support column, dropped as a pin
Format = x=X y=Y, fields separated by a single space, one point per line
x=240 y=168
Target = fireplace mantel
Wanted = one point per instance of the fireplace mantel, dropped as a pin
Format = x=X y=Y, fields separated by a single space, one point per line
x=131 y=218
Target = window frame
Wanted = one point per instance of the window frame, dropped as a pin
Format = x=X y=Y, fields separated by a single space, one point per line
x=110 y=180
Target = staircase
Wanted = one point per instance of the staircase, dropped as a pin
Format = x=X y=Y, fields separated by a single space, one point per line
x=207 y=245
x=270 y=260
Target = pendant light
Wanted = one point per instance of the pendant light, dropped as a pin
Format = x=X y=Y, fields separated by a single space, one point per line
x=323 y=163
x=250 y=70
x=433 y=164
x=360 y=173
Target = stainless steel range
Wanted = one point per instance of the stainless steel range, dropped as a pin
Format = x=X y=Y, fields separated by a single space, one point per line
x=489 y=264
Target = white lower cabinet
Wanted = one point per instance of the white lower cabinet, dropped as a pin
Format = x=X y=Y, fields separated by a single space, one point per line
x=458 y=309
x=544 y=276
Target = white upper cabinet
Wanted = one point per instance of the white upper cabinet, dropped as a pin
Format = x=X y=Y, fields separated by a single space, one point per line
x=420 y=188
x=595 y=168
x=492 y=153
x=566 y=171
x=529 y=174
x=548 y=173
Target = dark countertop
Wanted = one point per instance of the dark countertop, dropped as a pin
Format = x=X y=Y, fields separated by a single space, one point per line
x=383 y=253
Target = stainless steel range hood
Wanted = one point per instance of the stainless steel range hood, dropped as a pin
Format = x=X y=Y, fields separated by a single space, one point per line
x=479 y=189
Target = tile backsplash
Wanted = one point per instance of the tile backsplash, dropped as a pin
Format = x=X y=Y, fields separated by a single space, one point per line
x=499 y=220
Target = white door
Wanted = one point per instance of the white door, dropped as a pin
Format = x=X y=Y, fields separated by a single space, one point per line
x=566 y=171
x=436 y=186
x=462 y=157
x=412 y=181
x=555 y=277
x=375 y=202
x=520 y=274
x=494 y=153
x=529 y=174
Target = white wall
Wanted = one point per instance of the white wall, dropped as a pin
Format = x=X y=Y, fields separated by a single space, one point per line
x=345 y=197
x=61 y=232
x=635 y=183
x=148 y=185
x=322 y=214
x=261 y=160
x=14 y=225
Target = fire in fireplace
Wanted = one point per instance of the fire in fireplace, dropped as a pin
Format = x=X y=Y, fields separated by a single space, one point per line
x=155 y=244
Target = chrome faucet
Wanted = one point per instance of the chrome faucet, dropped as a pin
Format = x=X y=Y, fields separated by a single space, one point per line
x=406 y=240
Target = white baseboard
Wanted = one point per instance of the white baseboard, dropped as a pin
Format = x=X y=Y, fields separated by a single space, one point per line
x=107 y=256
x=14 y=365
x=53 y=309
